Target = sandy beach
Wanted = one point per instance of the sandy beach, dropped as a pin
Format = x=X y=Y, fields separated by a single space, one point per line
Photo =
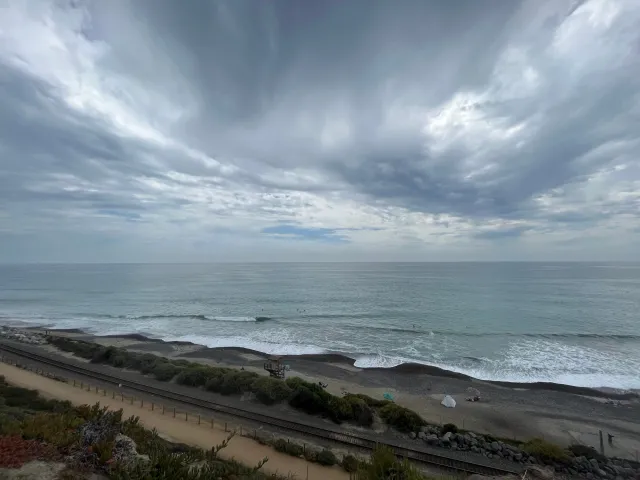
x=559 y=413
x=242 y=449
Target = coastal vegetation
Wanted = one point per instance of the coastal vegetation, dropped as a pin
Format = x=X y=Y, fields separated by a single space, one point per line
x=305 y=396
x=92 y=439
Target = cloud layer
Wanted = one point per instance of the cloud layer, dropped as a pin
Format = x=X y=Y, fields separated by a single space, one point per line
x=232 y=130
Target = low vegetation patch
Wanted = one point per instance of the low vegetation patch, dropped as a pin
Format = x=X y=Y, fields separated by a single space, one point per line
x=402 y=419
x=545 y=451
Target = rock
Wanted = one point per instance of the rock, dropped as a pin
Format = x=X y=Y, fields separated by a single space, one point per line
x=432 y=439
x=448 y=401
x=471 y=434
x=495 y=446
x=543 y=473
x=594 y=464
x=424 y=429
x=124 y=451
x=532 y=460
x=446 y=437
x=422 y=435
x=412 y=435
x=601 y=473
x=517 y=457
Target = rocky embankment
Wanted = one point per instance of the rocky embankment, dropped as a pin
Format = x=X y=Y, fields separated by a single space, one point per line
x=24 y=336
x=590 y=468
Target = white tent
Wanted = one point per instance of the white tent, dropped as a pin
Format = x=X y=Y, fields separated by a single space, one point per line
x=448 y=401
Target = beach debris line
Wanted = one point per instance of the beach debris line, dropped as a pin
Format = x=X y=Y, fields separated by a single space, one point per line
x=448 y=401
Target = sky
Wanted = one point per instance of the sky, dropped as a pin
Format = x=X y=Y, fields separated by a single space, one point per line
x=287 y=130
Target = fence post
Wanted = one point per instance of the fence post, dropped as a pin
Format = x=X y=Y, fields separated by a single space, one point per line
x=186 y=417
x=96 y=389
x=225 y=426
x=104 y=392
x=163 y=409
x=131 y=401
x=174 y=412
x=601 y=443
x=152 y=406
x=74 y=382
x=122 y=397
x=212 y=423
x=198 y=419
x=113 y=395
x=81 y=385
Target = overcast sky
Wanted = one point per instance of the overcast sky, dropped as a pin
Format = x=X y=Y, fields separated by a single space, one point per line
x=201 y=130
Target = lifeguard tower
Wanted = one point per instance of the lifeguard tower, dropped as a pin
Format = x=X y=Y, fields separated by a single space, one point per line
x=274 y=367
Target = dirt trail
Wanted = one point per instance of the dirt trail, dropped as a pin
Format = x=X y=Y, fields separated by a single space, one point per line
x=242 y=449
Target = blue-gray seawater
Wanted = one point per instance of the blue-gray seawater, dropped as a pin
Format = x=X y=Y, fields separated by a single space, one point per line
x=571 y=323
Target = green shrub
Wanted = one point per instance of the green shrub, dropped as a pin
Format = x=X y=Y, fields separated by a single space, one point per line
x=340 y=409
x=449 y=427
x=119 y=361
x=402 y=419
x=327 y=457
x=194 y=376
x=280 y=445
x=147 y=363
x=308 y=401
x=362 y=413
x=310 y=455
x=270 y=390
x=350 y=463
x=372 y=402
x=104 y=354
x=585 y=451
x=216 y=377
x=295 y=450
x=165 y=371
x=384 y=465
x=545 y=451
x=237 y=382
x=290 y=448
x=294 y=382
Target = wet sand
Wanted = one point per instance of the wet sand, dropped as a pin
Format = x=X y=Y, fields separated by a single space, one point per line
x=560 y=413
x=242 y=449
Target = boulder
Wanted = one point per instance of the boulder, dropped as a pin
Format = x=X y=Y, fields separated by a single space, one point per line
x=412 y=435
x=432 y=439
x=446 y=437
x=542 y=473
x=422 y=435
x=495 y=446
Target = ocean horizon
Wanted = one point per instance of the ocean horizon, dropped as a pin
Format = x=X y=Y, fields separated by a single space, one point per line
x=574 y=323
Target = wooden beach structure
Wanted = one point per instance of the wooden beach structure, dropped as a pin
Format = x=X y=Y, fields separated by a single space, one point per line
x=274 y=366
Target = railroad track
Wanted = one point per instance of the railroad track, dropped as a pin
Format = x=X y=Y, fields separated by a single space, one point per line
x=432 y=459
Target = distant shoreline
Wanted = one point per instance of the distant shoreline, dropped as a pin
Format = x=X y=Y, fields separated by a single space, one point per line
x=409 y=368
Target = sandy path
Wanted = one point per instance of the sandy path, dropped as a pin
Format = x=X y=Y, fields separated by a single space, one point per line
x=242 y=449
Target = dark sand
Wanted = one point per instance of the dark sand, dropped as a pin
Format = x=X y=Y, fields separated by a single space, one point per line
x=560 y=413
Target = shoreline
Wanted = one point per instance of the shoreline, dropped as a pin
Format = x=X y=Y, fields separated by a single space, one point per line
x=339 y=358
x=562 y=414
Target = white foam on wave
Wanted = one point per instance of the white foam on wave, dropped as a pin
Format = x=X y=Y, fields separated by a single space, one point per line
x=244 y=342
x=232 y=319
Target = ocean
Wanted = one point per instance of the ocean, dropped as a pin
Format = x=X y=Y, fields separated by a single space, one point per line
x=570 y=323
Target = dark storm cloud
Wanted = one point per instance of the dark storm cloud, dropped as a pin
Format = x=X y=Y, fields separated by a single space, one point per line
x=477 y=120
